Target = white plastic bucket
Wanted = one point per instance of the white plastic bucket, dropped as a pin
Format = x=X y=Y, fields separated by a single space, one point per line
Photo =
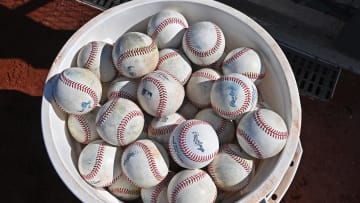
x=278 y=88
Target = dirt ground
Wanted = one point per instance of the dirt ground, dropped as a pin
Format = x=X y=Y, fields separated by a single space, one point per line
x=32 y=33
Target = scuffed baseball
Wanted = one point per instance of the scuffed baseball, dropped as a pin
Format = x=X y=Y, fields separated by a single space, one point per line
x=262 y=133
x=97 y=57
x=233 y=95
x=157 y=193
x=135 y=54
x=232 y=168
x=199 y=86
x=203 y=43
x=193 y=144
x=123 y=87
x=161 y=128
x=145 y=163
x=119 y=121
x=191 y=186
x=98 y=163
x=224 y=128
x=77 y=91
x=124 y=189
x=167 y=28
x=159 y=94
x=245 y=61
x=82 y=127
x=176 y=64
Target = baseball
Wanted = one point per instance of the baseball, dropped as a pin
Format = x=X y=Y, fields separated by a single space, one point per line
x=224 y=128
x=262 y=133
x=124 y=189
x=123 y=87
x=203 y=43
x=145 y=163
x=232 y=95
x=187 y=109
x=119 y=121
x=82 y=127
x=157 y=193
x=135 y=54
x=191 y=186
x=167 y=28
x=97 y=57
x=77 y=91
x=199 y=86
x=99 y=163
x=176 y=64
x=232 y=168
x=161 y=128
x=193 y=144
x=159 y=94
x=245 y=61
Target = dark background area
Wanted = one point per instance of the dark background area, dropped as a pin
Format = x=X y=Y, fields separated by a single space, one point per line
x=33 y=32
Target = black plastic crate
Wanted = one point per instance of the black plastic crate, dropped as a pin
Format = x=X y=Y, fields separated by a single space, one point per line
x=102 y=4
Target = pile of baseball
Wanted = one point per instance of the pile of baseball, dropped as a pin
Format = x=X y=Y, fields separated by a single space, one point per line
x=168 y=115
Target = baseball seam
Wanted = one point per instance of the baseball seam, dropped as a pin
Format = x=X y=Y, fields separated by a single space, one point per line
x=124 y=191
x=236 y=56
x=112 y=181
x=196 y=52
x=162 y=94
x=250 y=142
x=165 y=57
x=107 y=112
x=97 y=166
x=160 y=131
x=120 y=133
x=254 y=76
x=237 y=158
x=173 y=76
x=185 y=148
x=135 y=52
x=185 y=183
x=122 y=94
x=85 y=127
x=158 y=189
x=268 y=129
x=220 y=130
x=247 y=101
x=81 y=87
x=152 y=163
x=167 y=22
x=92 y=55
x=205 y=75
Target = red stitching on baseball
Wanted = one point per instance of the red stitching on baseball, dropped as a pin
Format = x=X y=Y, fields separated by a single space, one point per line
x=167 y=56
x=173 y=76
x=131 y=181
x=199 y=53
x=236 y=56
x=162 y=94
x=98 y=162
x=92 y=55
x=120 y=134
x=156 y=132
x=268 y=129
x=151 y=161
x=250 y=142
x=136 y=52
x=237 y=158
x=80 y=87
x=107 y=112
x=185 y=148
x=247 y=100
x=85 y=127
x=124 y=191
x=220 y=130
x=112 y=181
x=159 y=188
x=253 y=75
x=206 y=75
x=167 y=22
x=185 y=183
x=122 y=94
x=212 y=173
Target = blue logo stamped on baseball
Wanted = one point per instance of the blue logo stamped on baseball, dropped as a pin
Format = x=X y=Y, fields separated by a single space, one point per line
x=233 y=95
x=85 y=106
x=198 y=142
